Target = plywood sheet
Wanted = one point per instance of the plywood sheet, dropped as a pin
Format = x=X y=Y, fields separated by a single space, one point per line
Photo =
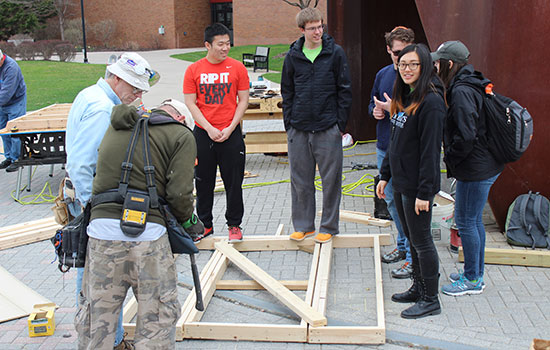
x=16 y=299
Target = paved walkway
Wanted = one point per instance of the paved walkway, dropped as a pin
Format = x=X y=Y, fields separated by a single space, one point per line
x=513 y=309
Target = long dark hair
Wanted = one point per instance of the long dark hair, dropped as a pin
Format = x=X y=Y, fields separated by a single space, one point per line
x=422 y=86
x=446 y=73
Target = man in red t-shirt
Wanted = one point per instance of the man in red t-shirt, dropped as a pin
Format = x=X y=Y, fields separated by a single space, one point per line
x=216 y=92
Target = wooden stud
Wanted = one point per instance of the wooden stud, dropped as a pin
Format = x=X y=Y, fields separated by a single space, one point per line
x=272 y=285
x=516 y=257
x=280 y=230
x=245 y=331
x=361 y=218
x=347 y=335
x=274 y=243
x=253 y=285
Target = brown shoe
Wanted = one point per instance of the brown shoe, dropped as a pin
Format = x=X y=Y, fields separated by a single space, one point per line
x=323 y=237
x=300 y=235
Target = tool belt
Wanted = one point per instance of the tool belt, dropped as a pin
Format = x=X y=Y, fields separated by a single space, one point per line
x=71 y=241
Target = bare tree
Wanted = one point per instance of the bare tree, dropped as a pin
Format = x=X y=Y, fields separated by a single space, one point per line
x=61 y=7
x=302 y=4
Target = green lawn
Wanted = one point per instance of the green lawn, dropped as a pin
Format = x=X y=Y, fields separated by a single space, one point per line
x=57 y=82
x=275 y=58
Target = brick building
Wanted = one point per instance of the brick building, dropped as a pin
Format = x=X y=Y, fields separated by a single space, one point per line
x=164 y=24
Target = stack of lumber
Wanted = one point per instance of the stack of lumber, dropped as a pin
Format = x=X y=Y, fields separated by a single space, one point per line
x=53 y=117
x=28 y=232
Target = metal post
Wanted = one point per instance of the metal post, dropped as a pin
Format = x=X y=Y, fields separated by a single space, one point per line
x=83 y=31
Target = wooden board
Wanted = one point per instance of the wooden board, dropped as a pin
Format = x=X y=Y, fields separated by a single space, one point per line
x=518 y=257
x=266 y=142
x=272 y=285
x=28 y=232
x=53 y=117
x=356 y=334
x=253 y=285
x=244 y=331
x=361 y=218
x=262 y=243
x=16 y=300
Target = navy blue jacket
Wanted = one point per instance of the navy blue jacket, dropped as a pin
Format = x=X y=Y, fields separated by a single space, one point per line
x=383 y=82
x=316 y=95
x=413 y=158
x=467 y=155
x=12 y=85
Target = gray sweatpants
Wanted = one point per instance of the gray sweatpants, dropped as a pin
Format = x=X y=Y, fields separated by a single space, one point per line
x=305 y=151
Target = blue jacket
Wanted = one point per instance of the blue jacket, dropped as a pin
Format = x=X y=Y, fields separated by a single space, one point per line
x=383 y=82
x=12 y=84
x=88 y=119
x=316 y=95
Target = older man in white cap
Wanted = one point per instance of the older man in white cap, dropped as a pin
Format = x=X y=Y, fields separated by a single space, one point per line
x=126 y=80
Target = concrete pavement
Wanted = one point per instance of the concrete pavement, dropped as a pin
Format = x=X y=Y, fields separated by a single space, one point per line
x=513 y=309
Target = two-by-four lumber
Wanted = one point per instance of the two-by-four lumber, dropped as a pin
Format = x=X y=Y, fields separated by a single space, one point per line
x=357 y=334
x=246 y=331
x=362 y=218
x=29 y=232
x=272 y=285
x=253 y=285
x=519 y=257
x=210 y=275
x=274 y=243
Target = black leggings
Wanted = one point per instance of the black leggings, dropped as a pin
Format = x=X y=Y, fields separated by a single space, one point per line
x=230 y=156
x=417 y=228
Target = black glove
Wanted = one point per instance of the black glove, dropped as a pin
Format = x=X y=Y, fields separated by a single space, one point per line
x=194 y=227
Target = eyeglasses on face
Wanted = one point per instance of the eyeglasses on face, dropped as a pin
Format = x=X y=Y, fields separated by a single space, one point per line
x=314 y=29
x=412 y=65
x=396 y=52
x=137 y=91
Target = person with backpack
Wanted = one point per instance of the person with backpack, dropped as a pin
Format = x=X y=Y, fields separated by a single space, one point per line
x=468 y=160
x=413 y=163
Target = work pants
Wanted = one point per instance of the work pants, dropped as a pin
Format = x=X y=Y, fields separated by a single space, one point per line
x=230 y=157
x=306 y=150
x=417 y=229
x=112 y=267
x=12 y=145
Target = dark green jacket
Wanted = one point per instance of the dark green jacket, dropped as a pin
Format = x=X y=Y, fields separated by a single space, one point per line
x=173 y=153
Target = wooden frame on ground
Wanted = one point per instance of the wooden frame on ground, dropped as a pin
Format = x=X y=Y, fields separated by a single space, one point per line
x=313 y=327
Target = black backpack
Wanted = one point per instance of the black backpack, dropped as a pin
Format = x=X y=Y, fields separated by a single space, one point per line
x=509 y=125
x=528 y=221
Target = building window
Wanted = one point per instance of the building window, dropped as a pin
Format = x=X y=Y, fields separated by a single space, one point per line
x=222 y=12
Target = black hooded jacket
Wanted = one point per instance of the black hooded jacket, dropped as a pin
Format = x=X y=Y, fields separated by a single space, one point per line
x=467 y=155
x=413 y=157
x=316 y=95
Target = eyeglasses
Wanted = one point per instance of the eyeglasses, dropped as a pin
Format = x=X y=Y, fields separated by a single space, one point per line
x=314 y=29
x=396 y=53
x=137 y=91
x=412 y=65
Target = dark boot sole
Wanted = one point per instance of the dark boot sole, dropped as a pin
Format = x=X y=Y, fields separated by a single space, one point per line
x=431 y=313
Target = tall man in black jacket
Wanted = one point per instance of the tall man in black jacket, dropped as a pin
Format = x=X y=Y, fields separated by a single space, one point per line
x=316 y=91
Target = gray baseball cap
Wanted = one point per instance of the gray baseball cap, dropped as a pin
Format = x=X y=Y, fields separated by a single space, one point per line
x=455 y=51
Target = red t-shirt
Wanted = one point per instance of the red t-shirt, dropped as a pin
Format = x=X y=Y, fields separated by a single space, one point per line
x=216 y=86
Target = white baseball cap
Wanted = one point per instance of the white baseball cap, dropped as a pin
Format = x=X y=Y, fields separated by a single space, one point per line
x=182 y=110
x=133 y=69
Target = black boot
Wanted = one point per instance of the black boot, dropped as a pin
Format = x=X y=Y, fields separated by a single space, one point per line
x=413 y=294
x=428 y=304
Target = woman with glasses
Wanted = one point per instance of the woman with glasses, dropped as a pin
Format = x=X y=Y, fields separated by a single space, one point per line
x=412 y=162
x=468 y=160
